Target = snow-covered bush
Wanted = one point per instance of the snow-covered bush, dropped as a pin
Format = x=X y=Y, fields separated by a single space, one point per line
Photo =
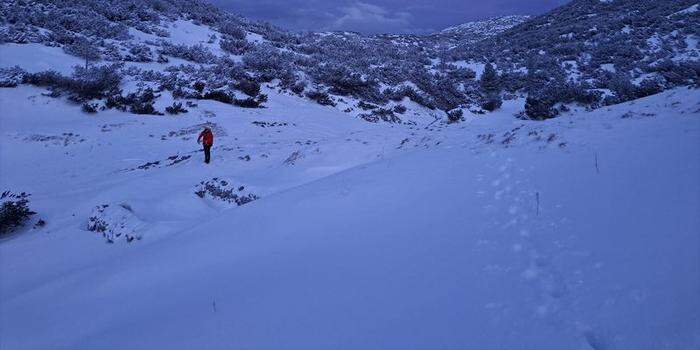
x=298 y=87
x=236 y=46
x=649 y=87
x=622 y=87
x=95 y=82
x=343 y=81
x=84 y=49
x=20 y=34
x=400 y=109
x=412 y=94
x=14 y=211
x=140 y=53
x=321 y=97
x=196 y=53
x=540 y=107
x=492 y=102
x=11 y=77
x=678 y=73
x=175 y=109
x=233 y=30
x=111 y=52
x=141 y=102
x=366 y=106
x=251 y=102
x=382 y=114
x=218 y=95
x=224 y=191
x=89 y=108
x=248 y=87
x=114 y=222
x=454 y=115
x=269 y=63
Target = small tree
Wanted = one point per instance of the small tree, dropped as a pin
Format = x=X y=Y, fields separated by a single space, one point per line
x=491 y=86
x=490 y=82
x=14 y=211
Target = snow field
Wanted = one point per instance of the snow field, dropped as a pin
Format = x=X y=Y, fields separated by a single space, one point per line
x=576 y=233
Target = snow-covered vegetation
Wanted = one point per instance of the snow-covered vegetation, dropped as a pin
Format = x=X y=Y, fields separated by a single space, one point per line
x=587 y=52
x=514 y=183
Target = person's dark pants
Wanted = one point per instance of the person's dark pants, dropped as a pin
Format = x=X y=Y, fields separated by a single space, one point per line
x=207 y=153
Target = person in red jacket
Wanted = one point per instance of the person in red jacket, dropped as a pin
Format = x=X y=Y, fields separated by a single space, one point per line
x=206 y=138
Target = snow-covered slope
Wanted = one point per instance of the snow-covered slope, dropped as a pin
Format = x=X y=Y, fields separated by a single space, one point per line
x=580 y=232
x=480 y=30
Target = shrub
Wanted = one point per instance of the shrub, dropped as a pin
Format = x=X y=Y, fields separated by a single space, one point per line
x=232 y=29
x=492 y=102
x=269 y=63
x=343 y=81
x=225 y=191
x=321 y=98
x=140 y=53
x=49 y=78
x=11 y=77
x=144 y=107
x=251 y=102
x=90 y=108
x=622 y=87
x=414 y=96
x=142 y=102
x=218 y=95
x=95 y=82
x=648 y=87
x=175 y=109
x=366 y=106
x=248 y=87
x=196 y=53
x=298 y=88
x=454 y=115
x=14 y=211
x=386 y=115
x=236 y=47
x=539 y=108
x=246 y=103
x=84 y=49
x=199 y=86
x=400 y=109
x=116 y=101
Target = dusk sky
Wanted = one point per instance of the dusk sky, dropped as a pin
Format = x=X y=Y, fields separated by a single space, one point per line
x=380 y=16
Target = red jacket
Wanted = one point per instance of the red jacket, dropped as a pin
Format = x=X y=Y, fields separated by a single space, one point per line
x=207 y=137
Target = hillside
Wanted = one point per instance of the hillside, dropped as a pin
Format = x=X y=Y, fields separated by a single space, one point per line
x=589 y=53
x=622 y=49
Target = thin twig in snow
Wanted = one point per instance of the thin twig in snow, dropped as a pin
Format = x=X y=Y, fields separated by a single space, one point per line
x=597 y=170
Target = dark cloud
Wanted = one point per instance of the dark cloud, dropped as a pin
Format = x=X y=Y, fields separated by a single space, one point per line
x=380 y=16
